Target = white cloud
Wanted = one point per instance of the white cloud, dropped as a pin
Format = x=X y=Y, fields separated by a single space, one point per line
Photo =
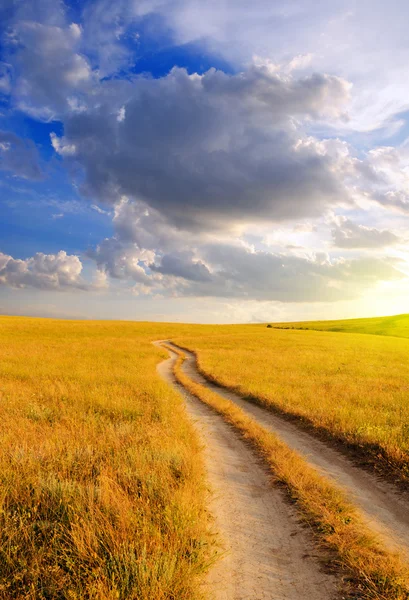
x=59 y=271
x=99 y=210
x=61 y=147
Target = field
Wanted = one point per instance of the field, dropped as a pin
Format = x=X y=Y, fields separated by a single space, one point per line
x=103 y=489
x=353 y=388
x=101 y=479
x=397 y=325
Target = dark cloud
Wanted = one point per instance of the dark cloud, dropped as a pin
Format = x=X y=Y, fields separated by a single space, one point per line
x=183 y=265
x=210 y=151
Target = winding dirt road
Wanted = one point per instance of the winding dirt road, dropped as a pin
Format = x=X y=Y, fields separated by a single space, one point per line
x=383 y=506
x=267 y=554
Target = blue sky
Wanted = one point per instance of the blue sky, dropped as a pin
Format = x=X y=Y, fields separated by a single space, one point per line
x=217 y=162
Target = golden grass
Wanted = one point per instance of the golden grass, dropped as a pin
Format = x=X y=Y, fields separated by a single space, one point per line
x=102 y=490
x=376 y=574
x=101 y=481
x=354 y=388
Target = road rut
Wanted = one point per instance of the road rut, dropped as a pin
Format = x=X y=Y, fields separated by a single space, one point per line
x=383 y=506
x=267 y=553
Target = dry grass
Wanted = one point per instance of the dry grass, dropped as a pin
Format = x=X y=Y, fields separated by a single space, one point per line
x=376 y=574
x=102 y=488
x=353 y=388
x=101 y=481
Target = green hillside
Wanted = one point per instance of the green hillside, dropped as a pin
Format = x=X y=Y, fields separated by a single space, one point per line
x=398 y=325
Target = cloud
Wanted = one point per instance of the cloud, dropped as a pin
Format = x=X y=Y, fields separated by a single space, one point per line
x=51 y=74
x=190 y=166
x=341 y=34
x=347 y=234
x=20 y=156
x=122 y=261
x=239 y=160
x=183 y=265
x=240 y=272
x=49 y=12
x=138 y=223
x=47 y=272
x=99 y=210
x=5 y=78
x=109 y=27
x=235 y=270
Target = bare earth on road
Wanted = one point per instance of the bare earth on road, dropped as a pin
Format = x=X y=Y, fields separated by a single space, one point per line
x=382 y=505
x=267 y=554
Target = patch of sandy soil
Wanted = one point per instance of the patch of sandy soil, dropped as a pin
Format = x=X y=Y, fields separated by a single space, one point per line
x=267 y=553
x=383 y=506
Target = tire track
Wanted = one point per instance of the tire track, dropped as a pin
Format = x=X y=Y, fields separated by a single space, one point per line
x=384 y=507
x=267 y=553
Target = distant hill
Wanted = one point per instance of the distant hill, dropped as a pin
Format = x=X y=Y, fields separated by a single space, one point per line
x=398 y=325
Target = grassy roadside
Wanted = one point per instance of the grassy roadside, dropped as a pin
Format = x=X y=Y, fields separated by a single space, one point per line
x=376 y=573
x=102 y=491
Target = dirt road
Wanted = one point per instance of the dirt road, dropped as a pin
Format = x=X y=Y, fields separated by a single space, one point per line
x=267 y=553
x=383 y=506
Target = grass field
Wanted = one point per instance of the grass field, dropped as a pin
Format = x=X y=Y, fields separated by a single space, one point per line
x=397 y=325
x=101 y=480
x=102 y=488
x=352 y=387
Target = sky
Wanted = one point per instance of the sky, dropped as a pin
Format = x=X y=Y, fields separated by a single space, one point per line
x=219 y=161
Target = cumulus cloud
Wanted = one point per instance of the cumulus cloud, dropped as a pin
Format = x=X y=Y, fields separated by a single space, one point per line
x=122 y=261
x=347 y=234
x=20 y=156
x=239 y=160
x=47 y=272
